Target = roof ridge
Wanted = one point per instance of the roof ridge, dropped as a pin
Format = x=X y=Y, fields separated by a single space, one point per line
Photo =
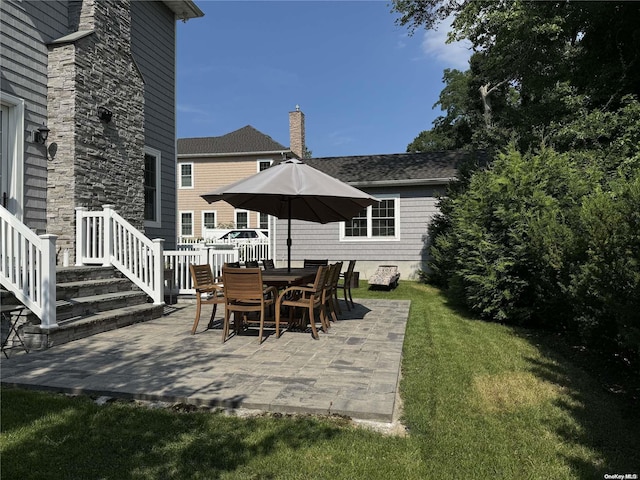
x=244 y=139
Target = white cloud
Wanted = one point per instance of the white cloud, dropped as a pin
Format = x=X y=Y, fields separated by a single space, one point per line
x=451 y=55
x=402 y=41
x=184 y=108
x=339 y=137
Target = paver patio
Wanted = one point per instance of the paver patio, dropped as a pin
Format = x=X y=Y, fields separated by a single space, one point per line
x=352 y=370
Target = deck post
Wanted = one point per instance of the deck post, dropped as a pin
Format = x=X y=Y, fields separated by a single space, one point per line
x=81 y=235
x=107 y=240
x=158 y=271
x=48 y=282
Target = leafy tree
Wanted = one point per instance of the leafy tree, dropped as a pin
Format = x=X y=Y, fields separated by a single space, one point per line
x=511 y=229
x=530 y=55
x=453 y=130
x=431 y=141
x=552 y=237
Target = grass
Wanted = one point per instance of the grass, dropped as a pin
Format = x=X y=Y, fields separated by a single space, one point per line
x=481 y=400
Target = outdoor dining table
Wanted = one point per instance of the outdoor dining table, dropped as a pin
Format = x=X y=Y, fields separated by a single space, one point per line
x=283 y=278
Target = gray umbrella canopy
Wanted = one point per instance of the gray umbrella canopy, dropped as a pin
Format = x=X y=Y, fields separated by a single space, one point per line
x=292 y=189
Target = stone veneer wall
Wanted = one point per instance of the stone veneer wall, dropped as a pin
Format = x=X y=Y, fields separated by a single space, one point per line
x=96 y=163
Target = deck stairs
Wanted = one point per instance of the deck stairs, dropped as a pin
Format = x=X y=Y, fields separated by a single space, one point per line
x=89 y=300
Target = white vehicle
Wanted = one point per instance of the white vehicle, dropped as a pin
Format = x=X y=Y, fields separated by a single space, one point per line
x=245 y=234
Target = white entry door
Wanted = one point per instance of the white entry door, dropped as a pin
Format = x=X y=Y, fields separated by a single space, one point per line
x=4 y=166
x=11 y=154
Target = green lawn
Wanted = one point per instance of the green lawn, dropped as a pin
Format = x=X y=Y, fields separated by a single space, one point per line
x=481 y=401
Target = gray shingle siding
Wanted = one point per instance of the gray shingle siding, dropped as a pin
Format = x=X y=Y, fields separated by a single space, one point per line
x=416 y=179
x=26 y=28
x=153 y=46
x=417 y=207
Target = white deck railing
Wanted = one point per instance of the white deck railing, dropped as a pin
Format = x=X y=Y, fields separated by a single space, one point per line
x=28 y=267
x=247 y=250
x=108 y=239
x=179 y=262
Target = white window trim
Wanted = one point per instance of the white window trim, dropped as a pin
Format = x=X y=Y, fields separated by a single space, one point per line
x=215 y=213
x=263 y=160
x=193 y=179
x=157 y=223
x=15 y=151
x=258 y=221
x=235 y=218
x=370 y=237
x=193 y=226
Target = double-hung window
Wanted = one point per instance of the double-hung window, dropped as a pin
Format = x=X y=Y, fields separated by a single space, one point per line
x=264 y=164
x=242 y=219
x=380 y=221
x=186 y=224
x=263 y=221
x=186 y=175
x=209 y=220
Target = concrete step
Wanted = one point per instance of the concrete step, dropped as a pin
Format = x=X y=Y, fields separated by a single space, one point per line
x=90 y=324
x=89 y=300
x=84 y=306
x=85 y=288
x=78 y=274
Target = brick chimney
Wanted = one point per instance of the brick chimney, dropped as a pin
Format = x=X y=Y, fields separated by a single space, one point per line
x=296 y=132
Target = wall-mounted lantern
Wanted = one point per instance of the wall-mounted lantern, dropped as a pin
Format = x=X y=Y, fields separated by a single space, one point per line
x=105 y=114
x=41 y=134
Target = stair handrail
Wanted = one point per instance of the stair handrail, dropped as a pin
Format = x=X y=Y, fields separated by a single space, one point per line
x=106 y=237
x=28 y=267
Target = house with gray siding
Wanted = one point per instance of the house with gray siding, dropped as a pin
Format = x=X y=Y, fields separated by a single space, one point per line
x=394 y=231
x=87 y=161
x=63 y=62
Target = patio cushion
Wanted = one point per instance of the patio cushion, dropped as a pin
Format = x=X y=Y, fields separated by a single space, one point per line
x=386 y=276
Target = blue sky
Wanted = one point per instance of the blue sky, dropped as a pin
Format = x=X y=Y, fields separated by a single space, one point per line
x=364 y=85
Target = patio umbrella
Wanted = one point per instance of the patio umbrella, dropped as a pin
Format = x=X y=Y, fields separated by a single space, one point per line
x=292 y=189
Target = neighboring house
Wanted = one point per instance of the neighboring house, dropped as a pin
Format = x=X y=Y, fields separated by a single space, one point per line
x=391 y=232
x=210 y=162
x=100 y=76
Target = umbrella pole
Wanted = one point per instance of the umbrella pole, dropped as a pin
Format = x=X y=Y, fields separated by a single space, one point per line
x=289 y=239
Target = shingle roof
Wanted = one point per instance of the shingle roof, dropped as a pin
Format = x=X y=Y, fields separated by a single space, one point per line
x=245 y=139
x=391 y=168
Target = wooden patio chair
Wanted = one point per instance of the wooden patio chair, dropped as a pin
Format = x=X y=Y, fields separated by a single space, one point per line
x=308 y=298
x=208 y=291
x=310 y=263
x=244 y=293
x=345 y=284
x=330 y=294
x=268 y=264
